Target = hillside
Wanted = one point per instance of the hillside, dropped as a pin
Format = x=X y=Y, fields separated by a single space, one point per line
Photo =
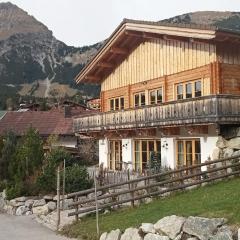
x=32 y=59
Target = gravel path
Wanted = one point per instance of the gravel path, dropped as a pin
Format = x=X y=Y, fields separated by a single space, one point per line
x=24 y=228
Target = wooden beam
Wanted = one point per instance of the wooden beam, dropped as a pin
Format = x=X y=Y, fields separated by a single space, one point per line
x=92 y=78
x=105 y=65
x=118 y=50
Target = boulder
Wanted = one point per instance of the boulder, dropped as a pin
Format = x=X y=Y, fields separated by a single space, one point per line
x=170 y=226
x=16 y=204
x=29 y=203
x=48 y=197
x=38 y=203
x=221 y=142
x=234 y=143
x=2 y=203
x=147 y=228
x=21 y=210
x=103 y=236
x=92 y=195
x=192 y=238
x=20 y=199
x=151 y=236
x=228 y=152
x=4 y=195
x=67 y=202
x=114 y=235
x=203 y=228
x=236 y=153
x=40 y=210
x=131 y=234
x=223 y=233
x=28 y=213
x=216 y=154
x=9 y=209
x=51 y=206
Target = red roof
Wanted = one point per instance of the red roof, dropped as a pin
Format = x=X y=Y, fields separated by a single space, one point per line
x=46 y=122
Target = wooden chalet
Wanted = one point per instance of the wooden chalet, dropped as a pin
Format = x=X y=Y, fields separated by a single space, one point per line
x=165 y=88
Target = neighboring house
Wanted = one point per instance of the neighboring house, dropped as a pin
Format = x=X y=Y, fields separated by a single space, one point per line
x=168 y=89
x=58 y=121
x=94 y=103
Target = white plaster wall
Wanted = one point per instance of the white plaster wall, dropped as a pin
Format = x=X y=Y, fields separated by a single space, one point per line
x=103 y=152
x=127 y=153
x=168 y=152
x=207 y=146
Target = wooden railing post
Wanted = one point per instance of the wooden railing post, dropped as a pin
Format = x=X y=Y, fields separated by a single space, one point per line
x=76 y=208
x=130 y=186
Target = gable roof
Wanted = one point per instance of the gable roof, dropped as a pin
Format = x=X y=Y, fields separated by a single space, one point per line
x=130 y=33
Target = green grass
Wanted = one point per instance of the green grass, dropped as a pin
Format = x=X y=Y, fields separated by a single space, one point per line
x=221 y=199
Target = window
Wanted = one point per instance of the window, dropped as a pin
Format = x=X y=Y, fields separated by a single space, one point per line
x=189 y=90
x=139 y=99
x=188 y=152
x=179 y=91
x=115 y=156
x=198 y=89
x=156 y=96
x=144 y=150
x=116 y=103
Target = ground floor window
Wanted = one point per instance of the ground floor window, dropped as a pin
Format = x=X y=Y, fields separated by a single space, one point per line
x=115 y=156
x=188 y=152
x=144 y=150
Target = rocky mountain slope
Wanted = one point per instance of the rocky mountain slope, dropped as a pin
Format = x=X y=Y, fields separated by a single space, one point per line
x=229 y=20
x=33 y=61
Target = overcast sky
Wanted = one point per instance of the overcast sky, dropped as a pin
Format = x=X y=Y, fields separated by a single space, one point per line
x=85 y=22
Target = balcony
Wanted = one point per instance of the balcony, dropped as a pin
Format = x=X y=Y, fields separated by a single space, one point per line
x=219 y=109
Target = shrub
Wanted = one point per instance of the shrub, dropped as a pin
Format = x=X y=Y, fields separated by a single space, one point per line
x=14 y=190
x=3 y=185
x=77 y=179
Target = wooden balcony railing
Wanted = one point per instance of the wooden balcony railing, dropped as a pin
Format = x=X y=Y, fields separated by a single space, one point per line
x=222 y=109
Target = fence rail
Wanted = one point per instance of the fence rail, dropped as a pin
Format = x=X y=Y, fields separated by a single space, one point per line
x=205 y=109
x=173 y=180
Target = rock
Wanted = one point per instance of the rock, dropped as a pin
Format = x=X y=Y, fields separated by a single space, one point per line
x=48 y=197
x=151 y=236
x=29 y=203
x=38 y=203
x=61 y=197
x=92 y=195
x=216 y=154
x=9 y=209
x=203 y=228
x=2 y=203
x=114 y=235
x=4 y=195
x=106 y=212
x=228 y=152
x=51 y=206
x=234 y=143
x=14 y=203
x=40 y=210
x=131 y=234
x=21 y=210
x=178 y=237
x=103 y=236
x=28 y=213
x=21 y=199
x=223 y=233
x=147 y=228
x=236 y=153
x=67 y=202
x=170 y=226
x=221 y=142
x=192 y=238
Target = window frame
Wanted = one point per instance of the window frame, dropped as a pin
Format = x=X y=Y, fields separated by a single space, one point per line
x=113 y=105
x=139 y=96
x=155 y=91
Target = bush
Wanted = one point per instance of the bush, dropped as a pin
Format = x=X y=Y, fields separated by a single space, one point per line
x=3 y=185
x=77 y=179
x=14 y=190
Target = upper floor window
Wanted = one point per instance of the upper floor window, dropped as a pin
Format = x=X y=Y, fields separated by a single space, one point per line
x=116 y=103
x=156 y=96
x=139 y=99
x=189 y=90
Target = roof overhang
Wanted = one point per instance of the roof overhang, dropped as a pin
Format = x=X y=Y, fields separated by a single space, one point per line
x=130 y=34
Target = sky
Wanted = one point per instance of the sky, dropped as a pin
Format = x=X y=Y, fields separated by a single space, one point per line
x=85 y=22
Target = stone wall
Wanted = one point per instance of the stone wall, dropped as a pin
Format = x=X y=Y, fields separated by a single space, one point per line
x=178 y=228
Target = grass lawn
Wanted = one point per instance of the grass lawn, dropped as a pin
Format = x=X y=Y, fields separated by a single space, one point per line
x=221 y=199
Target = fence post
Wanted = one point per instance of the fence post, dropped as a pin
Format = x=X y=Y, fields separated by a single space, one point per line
x=96 y=201
x=76 y=209
x=64 y=183
x=58 y=197
x=130 y=187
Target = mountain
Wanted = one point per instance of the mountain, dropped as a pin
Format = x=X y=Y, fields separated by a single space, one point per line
x=33 y=62
x=228 y=20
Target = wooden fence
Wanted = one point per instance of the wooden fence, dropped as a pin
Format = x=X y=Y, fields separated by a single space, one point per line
x=170 y=181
